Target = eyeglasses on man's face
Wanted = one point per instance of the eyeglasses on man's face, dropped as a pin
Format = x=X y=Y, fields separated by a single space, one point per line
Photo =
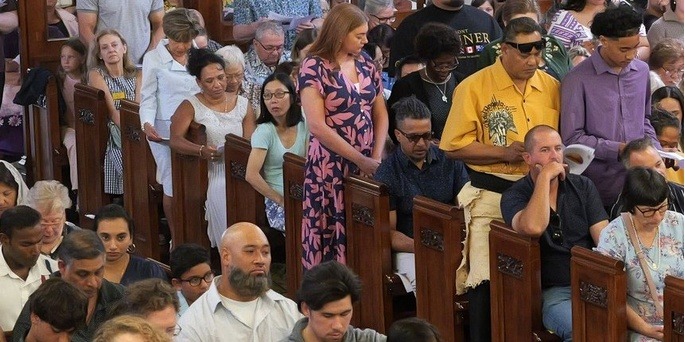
x=415 y=137
x=385 y=20
x=270 y=48
x=195 y=281
x=445 y=66
x=526 y=49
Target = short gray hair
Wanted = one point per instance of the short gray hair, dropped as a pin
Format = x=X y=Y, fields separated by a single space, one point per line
x=269 y=27
x=375 y=6
x=232 y=55
x=49 y=195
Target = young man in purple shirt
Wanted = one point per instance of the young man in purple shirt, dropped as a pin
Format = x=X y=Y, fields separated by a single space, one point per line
x=605 y=99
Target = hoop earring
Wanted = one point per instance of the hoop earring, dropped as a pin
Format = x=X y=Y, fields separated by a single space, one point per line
x=131 y=248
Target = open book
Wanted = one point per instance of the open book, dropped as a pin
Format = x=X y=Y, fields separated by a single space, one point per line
x=578 y=157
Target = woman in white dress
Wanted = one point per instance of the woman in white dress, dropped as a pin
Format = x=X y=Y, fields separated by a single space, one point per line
x=221 y=113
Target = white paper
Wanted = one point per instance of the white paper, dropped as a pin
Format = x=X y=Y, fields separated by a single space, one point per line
x=578 y=157
x=289 y=23
x=678 y=157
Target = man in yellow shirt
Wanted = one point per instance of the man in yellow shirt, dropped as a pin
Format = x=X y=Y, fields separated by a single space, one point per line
x=491 y=113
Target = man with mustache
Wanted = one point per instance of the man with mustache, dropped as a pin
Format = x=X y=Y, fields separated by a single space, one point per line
x=417 y=167
x=239 y=305
x=492 y=111
x=82 y=264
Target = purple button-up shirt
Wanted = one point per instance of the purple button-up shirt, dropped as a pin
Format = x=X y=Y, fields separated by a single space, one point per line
x=602 y=109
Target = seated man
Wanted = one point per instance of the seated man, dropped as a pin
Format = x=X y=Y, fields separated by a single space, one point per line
x=57 y=309
x=641 y=152
x=564 y=210
x=239 y=306
x=22 y=267
x=191 y=273
x=153 y=299
x=418 y=167
x=82 y=264
x=326 y=296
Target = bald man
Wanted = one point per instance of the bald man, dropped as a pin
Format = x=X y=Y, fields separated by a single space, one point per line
x=239 y=305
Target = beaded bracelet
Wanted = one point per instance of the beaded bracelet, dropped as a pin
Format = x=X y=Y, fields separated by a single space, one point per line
x=201 y=148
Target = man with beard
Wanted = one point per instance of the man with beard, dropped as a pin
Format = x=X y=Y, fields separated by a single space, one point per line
x=326 y=296
x=82 y=264
x=239 y=305
x=22 y=267
x=417 y=167
x=475 y=28
x=492 y=111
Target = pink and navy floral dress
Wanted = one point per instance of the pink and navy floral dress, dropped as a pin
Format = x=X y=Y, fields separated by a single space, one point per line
x=348 y=113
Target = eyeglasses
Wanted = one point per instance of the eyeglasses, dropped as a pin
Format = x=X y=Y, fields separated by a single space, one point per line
x=673 y=72
x=555 y=224
x=380 y=62
x=446 y=66
x=278 y=95
x=385 y=20
x=528 y=47
x=270 y=48
x=52 y=223
x=415 y=137
x=652 y=211
x=175 y=331
x=235 y=77
x=195 y=281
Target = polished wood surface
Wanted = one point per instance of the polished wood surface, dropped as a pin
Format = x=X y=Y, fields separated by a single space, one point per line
x=293 y=195
x=243 y=202
x=673 y=309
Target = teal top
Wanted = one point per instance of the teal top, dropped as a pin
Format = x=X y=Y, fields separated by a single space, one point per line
x=266 y=137
x=557 y=63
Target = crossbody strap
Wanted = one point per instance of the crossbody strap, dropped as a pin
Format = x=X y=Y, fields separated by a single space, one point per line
x=643 y=264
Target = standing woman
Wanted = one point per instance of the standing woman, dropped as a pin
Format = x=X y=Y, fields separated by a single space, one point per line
x=114 y=74
x=166 y=83
x=342 y=98
x=222 y=113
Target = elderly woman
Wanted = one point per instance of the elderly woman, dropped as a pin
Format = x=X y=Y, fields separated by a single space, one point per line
x=666 y=64
x=13 y=190
x=648 y=238
x=166 y=83
x=51 y=199
x=379 y=12
x=235 y=76
x=438 y=45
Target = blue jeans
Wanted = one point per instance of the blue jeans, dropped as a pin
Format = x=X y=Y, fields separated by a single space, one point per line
x=556 y=311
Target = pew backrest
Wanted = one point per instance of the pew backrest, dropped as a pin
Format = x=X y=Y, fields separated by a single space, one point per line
x=190 y=181
x=598 y=291
x=92 y=136
x=368 y=250
x=293 y=195
x=142 y=193
x=243 y=202
x=439 y=231
x=673 y=309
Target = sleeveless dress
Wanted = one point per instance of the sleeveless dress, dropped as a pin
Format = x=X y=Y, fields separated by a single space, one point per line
x=218 y=124
x=119 y=87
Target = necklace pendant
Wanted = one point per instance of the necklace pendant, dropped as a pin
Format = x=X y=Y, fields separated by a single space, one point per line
x=444 y=98
x=654 y=266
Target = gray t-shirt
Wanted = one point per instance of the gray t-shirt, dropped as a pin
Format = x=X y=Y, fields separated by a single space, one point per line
x=129 y=17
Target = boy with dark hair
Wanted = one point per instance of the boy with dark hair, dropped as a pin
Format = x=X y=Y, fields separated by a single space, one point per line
x=22 y=267
x=57 y=309
x=191 y=273
x=325 y=297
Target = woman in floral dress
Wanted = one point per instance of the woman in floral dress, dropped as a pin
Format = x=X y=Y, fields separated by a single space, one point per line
x=342 y=98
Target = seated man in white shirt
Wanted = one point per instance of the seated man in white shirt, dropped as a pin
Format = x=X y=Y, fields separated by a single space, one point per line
x=22 y=267
x=239 y=305
x=191 y=273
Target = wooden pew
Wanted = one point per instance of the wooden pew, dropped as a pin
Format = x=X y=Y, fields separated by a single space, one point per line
x=515 y=289
x=243 y=202
x=46 y=156
x=142 y=193
x=293 y=180
x=673 y=309
x=190 y=192
x=212 y=11
x=368 y=250
x=439 y=230
x=92 y=135
x=598 y=288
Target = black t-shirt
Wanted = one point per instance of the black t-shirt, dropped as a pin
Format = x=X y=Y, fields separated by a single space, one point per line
x=578 y=206
x=5 y=6
x=476 y=30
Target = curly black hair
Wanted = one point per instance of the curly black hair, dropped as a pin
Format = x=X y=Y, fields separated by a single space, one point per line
x=435 y=39
x=617 y=22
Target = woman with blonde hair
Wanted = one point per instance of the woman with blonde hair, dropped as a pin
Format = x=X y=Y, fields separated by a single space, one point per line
x=342 y=97
x=113 y=73
x=128 y=328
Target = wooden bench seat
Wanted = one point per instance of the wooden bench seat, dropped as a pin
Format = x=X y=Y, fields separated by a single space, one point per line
x=673 y=309
x=293 y=195
x=439 y=231
x=243 y=202
x=142 y=193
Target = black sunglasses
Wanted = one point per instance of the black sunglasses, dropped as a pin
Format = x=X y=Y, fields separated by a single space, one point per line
x=555 y=224
x=415 y=137
x=528 y=47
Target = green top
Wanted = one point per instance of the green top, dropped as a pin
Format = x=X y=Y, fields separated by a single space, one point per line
x=557 y=63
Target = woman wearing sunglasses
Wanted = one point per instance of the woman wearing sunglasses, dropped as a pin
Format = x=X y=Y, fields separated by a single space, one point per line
x=648 y=238
x=438 y=45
